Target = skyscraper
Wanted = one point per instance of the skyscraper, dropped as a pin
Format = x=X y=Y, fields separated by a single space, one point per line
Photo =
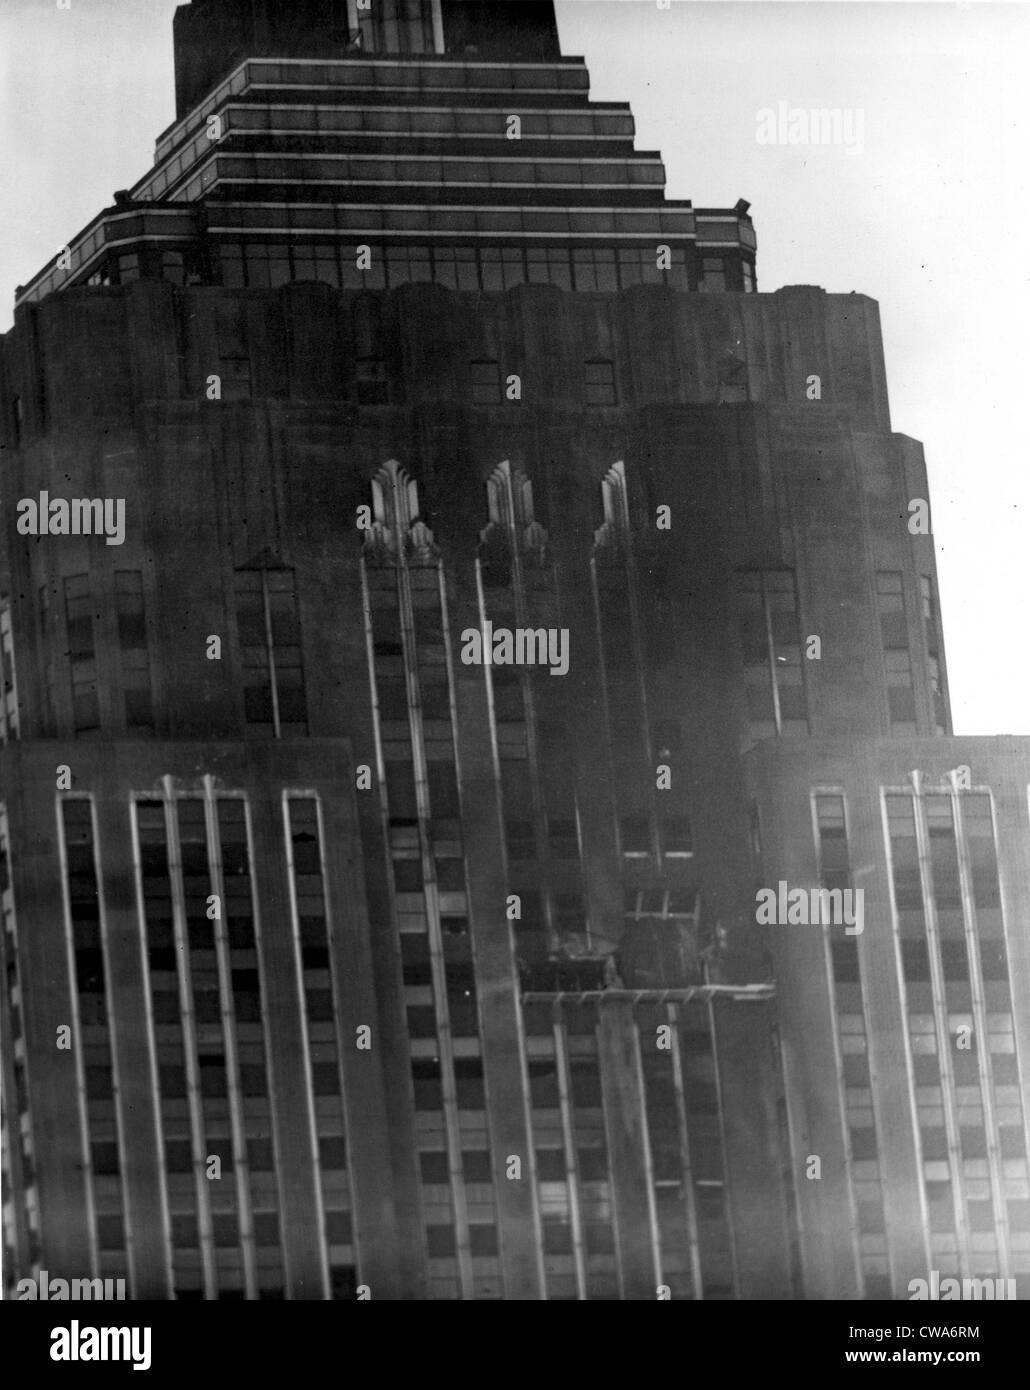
x=387 y=792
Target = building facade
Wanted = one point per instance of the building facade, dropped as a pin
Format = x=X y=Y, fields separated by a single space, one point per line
x=342 y=961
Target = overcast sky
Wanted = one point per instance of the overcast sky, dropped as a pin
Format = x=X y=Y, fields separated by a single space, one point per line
x=929 y=216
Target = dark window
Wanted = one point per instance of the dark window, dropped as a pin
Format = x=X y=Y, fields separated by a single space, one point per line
x=434 y=1168
x=269 y=634
x=373 y=384
x=771 y=641
x=485 y=378
x=81 y=653
x=476 y=1166
x=713 y=274
x=110 y=1232
x=132 y=641
x=338 y=1227
x=600 y=382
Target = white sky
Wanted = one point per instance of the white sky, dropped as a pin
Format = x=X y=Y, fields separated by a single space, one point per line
x=930 y=218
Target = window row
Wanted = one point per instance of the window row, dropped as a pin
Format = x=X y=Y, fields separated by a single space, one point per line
x=488 y=268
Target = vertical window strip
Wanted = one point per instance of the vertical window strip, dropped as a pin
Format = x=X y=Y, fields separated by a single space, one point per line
x=80 y=893
x=270 y=641
x=231 y=834
x=772 y=648
x=19 y=1105
x=312 y=934
x=207 y=825
x=82 y=657
x=708 y=1155
x=152 y=1041
x=673 y=1016
x=167 y=949
x=626 y=702
x=132 y=643
x=897 y=656
x=652 y=1076
x=572 y=1179
x=980 y=1019
x=438 y=964
x=935 y=655
x=46 y=659
x=911 y=800
x=593 y=1158
x=511 y=511
x=829 y=810
x=8 y=682
x=396 y=493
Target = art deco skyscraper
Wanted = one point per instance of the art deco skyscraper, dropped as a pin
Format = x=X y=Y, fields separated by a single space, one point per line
x=338 y=963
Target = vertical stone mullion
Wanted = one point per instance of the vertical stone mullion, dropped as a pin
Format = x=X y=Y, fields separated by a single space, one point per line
x=241 y=1171
x=82 y=1102
x=683 y=1130
x=194 y=1098
x=444 y=1037
x=561 y=1058
x=940 y=1015
x=133 y=1038
x=629 y=1149
x=976 y=982
x=499 y=1013
x=282 y=1004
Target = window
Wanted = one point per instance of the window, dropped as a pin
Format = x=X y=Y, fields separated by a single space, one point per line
x=890 y=601
x=834 y=864
x=230 y=258
x=979 y=826
x=455 y=267
x=405 y=264
x=8 y=684
x=600 y=382
x=81 y=653
x=132 y=641
x=749 y=277
x=485 y=377
x=931 y=628
x=713 y=274
x=907 y=880
x=548 y=265
x=372 y=381
x=767 y=610
x=502 y=267
x=18 y=411
x=173 y=267
x=267 y=266
x=595 y=268
x=639 y=266
x=269 y=635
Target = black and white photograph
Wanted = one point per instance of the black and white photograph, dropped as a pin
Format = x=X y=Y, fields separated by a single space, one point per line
x=514 y=734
